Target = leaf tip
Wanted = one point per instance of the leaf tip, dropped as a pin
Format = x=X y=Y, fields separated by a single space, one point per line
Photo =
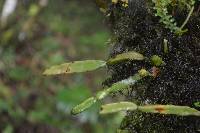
x=45 y=72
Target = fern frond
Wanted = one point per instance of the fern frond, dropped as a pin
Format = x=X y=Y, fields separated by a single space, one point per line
x=161 y=7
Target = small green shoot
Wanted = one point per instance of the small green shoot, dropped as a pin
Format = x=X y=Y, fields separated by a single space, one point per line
x=166 y=48
x=131 y=55
x=143 y=73
x=157 y=61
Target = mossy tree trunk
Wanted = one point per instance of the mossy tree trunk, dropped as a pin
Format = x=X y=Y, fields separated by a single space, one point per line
x=177 y=82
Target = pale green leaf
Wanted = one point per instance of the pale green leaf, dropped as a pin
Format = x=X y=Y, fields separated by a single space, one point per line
x=131 y=55
x=170 y=109
x=75 y=67
x=84 y=105
x=116 y=107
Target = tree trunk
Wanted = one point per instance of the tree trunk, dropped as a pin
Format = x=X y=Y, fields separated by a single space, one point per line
x=177 y=82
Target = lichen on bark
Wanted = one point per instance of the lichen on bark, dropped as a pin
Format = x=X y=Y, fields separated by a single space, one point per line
x=178 y=81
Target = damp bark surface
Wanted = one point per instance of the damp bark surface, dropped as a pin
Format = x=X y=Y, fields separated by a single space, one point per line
x=177 y=82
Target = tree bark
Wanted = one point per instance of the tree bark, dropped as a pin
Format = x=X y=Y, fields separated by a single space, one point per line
x=177 y=82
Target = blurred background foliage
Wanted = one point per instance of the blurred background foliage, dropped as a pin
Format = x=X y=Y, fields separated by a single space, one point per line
x=35 y=37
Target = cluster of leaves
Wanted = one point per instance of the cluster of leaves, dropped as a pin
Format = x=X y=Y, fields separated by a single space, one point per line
x=81 y=66
x=89 y=65
x=161 y=7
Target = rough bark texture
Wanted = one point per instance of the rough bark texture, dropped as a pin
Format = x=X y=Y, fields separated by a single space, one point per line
x=137 y=28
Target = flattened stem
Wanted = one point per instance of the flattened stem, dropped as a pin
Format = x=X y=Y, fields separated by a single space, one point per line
x=162 y=109
x=116 y=107
x=131 y=55
x=75 y=67
x=121 y=85
x=83 y=106
x=170 y=110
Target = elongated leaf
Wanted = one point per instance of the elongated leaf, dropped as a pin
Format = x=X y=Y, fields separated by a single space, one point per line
x=75 y=67
x=118 y=86
x=162 y=109
x=131 y=55
x=83 y=106
x=170 y=109
x=116 y=107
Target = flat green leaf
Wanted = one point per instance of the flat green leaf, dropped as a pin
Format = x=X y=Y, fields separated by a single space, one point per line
x=75 y=67
x=83 y=106
x=170 y=109
x=131 y=55
x=116 y=107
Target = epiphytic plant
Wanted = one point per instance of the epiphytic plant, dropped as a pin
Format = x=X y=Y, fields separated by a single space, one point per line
x=156 y=63
x=89 y=65
x=161 y=7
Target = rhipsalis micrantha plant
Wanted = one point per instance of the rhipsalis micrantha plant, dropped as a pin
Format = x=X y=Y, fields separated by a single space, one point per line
x=155 y=57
